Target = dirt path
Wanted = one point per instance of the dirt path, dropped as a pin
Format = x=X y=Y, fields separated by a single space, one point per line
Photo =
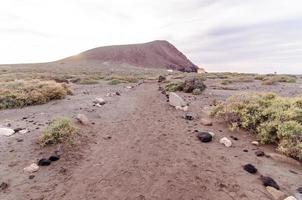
x=143 y=149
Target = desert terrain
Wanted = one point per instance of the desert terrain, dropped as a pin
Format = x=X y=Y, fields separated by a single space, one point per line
x=136 y=145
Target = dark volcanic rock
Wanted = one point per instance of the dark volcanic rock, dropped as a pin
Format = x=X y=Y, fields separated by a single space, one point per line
x=54 y=157
x=204 y=137
x=259 y=153
x=250 y=168
x=44 y=162
x=268 y=181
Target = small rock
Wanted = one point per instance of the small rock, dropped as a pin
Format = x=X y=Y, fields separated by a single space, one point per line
x=188 y=117
x=31 y=168
x=31 y=176
x=226 y=142
x=82 y=119
x=118 y=94
x=259 y=153
x=255 y=143
x=276 y=194
x=24 y=131
x=19 y=140
x=290 y=198
x=268 y=181
x=18 y=129
x=234 y=138
x=100 y=101
x=206 y=122
x=6 y=131
x=250 y=168
x=54 y=157
x=245 y=150
x=3 y=186
x=129 y=87
x=204 y=137
x=299 y=190
x=44 y=162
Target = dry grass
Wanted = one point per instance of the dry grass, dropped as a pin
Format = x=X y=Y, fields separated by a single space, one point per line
x=17 y=94
x=60 y=130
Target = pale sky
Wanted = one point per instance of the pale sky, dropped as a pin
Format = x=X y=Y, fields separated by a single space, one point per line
x=220 y=35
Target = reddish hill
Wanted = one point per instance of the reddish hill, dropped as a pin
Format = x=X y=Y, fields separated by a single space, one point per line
x=156 y=54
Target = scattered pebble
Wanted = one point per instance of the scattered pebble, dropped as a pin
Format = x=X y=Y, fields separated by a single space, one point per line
x=118 y=94
x=299 y=190
x=256 y=143
x=226 y=142
x=31 y=168
x=268 y=181
x=31 y=176
x=250 y=168
x=23 y=131
x=188 y=117
x=82 y=119
x=234 y=138
x=54 y=157
x=204 y=137
x=245 y=150
x=3 y=186
x=19 y=140
x=100 y=101
x=259 y=153
x=18 y=129
x=44 y=162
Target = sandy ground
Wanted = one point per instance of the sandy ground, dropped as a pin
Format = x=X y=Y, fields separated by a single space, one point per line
x=138 y=147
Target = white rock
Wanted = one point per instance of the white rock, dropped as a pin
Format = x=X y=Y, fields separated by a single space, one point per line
x=82 y=119
x=24 y=131
x=129 y=87
x=276 y=194
x=6 y=131
x=226 y=142
x=255 y=143
x=177 y=102
x=290 y=198
x=212 y=134
x=169 y=70
x=31 y=168
x=100 y=101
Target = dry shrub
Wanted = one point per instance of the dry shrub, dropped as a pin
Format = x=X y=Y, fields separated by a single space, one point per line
x=274 y=119
x=19 y=94
x=60 y=130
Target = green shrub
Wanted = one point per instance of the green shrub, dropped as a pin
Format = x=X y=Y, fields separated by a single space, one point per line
x=175 y=86
x=18 y=94
x=60 y=130
x=274 y=119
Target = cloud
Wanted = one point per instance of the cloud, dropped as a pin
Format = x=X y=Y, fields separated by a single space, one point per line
x=220 y=35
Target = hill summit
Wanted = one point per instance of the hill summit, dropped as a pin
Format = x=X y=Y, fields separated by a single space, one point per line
x=155 y=54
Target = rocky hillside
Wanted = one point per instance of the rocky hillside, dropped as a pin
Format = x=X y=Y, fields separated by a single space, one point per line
x=156 y=54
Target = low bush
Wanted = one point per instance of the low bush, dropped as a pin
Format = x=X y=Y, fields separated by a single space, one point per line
x=60 y=130
x=274 y=119
x=18 y=94
x=174 y=86
x=274 y=79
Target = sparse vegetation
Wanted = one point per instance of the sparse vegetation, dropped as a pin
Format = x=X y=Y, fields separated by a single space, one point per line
x=60 y=130
x=274 y=79
x=174 y=86
x=274 y=119
x=17 y=94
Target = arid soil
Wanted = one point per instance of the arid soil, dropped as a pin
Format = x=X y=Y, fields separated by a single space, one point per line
x=139 y=147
